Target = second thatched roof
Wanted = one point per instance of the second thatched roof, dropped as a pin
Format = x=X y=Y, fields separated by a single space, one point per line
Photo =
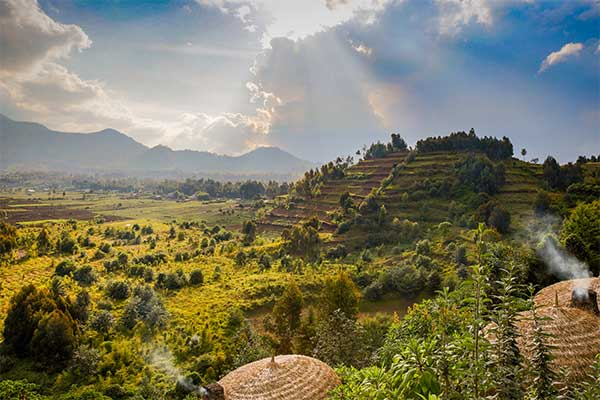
x=287 y=377
x=574 y=333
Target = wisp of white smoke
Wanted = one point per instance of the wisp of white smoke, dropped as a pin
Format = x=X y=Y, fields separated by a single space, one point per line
x=559 y=262
x=162 y=359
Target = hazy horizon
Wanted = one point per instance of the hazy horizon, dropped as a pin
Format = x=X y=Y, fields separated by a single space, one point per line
x=317 y=79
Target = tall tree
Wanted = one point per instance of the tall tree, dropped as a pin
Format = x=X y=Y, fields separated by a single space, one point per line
x=340 y=293
x=286 y=318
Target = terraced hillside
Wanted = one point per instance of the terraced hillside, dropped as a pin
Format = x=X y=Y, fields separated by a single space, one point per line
x=410 y=195
x=358 y=180
x=419 y=191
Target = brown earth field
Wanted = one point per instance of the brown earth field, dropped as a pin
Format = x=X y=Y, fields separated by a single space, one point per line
x=32 y=210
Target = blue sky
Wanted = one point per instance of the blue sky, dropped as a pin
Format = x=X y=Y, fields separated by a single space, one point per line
x=318 y=78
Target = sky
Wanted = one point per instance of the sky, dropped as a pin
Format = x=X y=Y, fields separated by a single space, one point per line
x=318 y=78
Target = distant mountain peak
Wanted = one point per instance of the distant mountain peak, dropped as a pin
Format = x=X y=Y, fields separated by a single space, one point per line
x=32 y=146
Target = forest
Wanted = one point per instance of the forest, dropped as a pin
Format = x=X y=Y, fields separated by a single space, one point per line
x=444 y=271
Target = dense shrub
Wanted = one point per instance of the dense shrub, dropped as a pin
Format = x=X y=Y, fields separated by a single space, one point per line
x=144 y=306
x=196 y=277
x=102 y=322
x=85 y=275
x=64 y=268
x=479 y=174
x=117 y=290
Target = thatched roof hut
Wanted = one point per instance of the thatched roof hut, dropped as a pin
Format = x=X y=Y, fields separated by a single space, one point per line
x=287 y=377
x=568 y=312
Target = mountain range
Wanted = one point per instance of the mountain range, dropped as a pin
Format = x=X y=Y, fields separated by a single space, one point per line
x=32 y=146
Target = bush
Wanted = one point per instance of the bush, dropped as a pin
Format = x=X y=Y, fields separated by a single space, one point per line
x=144 y=306
x=102 y=322
x=499 y=219
x=461 y=255
x=117 y=290
x=66 y=244
x=196 y=277
x=173 y=281
x=339 y=251
x=423 y=247
x=85 y=275
x=64 y=268
x=264 y=262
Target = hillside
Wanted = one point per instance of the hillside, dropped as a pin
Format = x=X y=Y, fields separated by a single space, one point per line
x=421 y=186
x=26 y=145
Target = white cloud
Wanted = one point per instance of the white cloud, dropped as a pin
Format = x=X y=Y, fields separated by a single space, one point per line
x=454 y=14
x=28 y=37
x=556 y=57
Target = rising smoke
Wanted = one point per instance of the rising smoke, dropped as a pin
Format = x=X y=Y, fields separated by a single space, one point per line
x=559 y=262
x=162 y=359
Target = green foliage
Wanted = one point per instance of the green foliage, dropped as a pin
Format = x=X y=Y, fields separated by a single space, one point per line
x=580 y=233
x=144 y=306
x=54 y=339
x=494 y=148
x=249 y=232
x=561 y=177
x=339 y=340
x=196 y=277
x=8 y=240
x=117 y=290
x=341 y=294
x=65 y=243
x=43 y=243
x=285 y=320
x=102 y=322
x=19 y=390
x=479 y=174
x=28 y=316
x=303 y=239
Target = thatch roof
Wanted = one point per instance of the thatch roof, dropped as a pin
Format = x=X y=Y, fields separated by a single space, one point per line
x=574 y=332
x=562 y=291
x=288 y=377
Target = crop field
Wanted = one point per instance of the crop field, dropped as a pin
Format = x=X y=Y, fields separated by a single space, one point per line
x=34 y=208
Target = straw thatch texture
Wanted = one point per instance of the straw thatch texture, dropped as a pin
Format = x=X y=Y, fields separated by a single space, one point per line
x=574 y=337
x=547 y=296
x=290 y=377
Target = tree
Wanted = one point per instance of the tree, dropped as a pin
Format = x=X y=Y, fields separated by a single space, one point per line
x=499 y=219
x=398 y=143
x=26 y=310
x=552 y=172
x=42 y=241
x=65 y=243
x=8 y=240
x=285 y=322
x=54 y=339
x=340 y=293
x=144 y=306
x=339 y=340
x=249 y=232
x=580 y=233
x=303 y=239
x=346 y=202
x=523 y=152
x=542 y=202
